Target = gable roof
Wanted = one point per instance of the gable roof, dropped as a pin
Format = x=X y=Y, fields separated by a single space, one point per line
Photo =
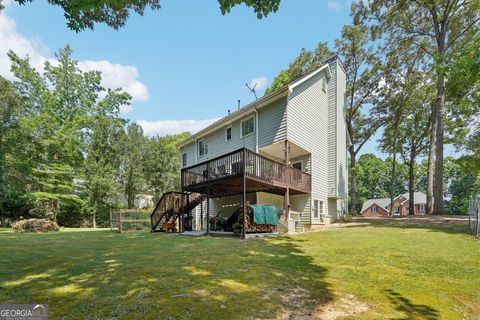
x=379 y=202
x=418 y=197
x=261 y=102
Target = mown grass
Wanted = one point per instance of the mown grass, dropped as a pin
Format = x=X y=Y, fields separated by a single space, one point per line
x=400 y=272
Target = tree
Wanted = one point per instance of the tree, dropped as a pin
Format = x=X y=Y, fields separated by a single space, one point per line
x=102 y=164
x=305 y=62
x=463 y=90
x=83 y=15
x=362 y=75
x=371 y=174
x=438 y=28
x=10 y=104
x=68 y=111
x=162 y=164
x=414 y=134
x=133 y=179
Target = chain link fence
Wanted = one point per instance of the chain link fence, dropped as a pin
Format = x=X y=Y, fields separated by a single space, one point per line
x=474 y=213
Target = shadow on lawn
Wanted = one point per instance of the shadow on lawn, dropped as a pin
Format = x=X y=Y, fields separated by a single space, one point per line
x=409 y=309
x=453 y=227
x=143 y=275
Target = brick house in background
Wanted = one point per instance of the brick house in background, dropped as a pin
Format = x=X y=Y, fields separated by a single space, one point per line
x=381 y=207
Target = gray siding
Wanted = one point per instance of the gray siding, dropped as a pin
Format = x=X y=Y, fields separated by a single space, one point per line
x=272 y=128
x=337 y=139
x=307 y=127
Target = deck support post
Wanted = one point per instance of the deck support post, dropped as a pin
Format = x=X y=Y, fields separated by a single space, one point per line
x=244 y=200
x=287 y=178
x=208 y=210
x=201 y=215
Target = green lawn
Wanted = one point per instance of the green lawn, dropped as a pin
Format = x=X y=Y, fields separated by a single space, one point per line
x=393 y=272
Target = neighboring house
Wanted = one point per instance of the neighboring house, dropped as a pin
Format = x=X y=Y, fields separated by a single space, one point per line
x=381 y=207
x=287 y=149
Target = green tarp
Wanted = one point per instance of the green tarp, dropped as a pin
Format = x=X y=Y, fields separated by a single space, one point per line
x=265 y=214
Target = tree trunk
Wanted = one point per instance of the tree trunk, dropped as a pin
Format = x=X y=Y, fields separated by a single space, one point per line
x=431 y=164
x=411 y=167
x=129 y=190
x=392 y=181
x=439 y=115
x=353 y=181
x=55 y=210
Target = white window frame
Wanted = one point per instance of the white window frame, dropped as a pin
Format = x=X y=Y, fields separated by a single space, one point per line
x=241 y=127
x=374 y=208
x=205 y=148
x=421 y=207
x=184 y=159
x=226 y=134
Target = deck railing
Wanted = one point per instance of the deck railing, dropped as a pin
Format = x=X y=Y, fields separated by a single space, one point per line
x=256 y=167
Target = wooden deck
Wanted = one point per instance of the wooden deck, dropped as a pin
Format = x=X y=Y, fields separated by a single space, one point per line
x=224 y=175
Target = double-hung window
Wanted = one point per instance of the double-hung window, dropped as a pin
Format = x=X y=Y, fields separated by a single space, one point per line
x=247 y=127
x=184 y=159
x=202 y=148
x=228 y=134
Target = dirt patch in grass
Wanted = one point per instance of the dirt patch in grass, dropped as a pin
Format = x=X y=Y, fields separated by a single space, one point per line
x=299 y=305
x=341 y=308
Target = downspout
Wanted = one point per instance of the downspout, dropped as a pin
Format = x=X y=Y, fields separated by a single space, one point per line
x=196 y=151
x=256 y=129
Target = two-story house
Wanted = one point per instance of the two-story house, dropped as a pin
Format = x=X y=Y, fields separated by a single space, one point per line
x=287 y=149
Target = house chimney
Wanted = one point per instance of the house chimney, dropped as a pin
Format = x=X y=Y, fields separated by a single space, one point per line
x=228 y=111
x=238 y=103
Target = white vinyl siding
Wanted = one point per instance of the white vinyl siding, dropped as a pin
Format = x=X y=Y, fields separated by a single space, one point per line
x=307 y=127
x=272 y=128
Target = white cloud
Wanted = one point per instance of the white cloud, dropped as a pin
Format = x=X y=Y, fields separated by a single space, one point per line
x=261 y=83
x=334 y=4
x=164 y=127
x=114 y=75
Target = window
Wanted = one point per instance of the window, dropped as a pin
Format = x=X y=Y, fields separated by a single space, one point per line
x=374 y=208
x=228 y=134
x=421 y=207
x=297 y=165
x=184 y=159
x=247 y=127
x=317 y=208
x=202 y=148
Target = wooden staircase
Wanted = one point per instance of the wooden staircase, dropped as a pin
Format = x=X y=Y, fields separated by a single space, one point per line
x=173 y=207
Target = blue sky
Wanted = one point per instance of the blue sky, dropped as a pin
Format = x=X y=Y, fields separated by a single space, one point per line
x=185 y=64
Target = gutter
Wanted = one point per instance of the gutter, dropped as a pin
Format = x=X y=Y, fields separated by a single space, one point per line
x=257 y=104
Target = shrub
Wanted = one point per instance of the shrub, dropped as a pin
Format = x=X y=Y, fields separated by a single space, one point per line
x=35 y=225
